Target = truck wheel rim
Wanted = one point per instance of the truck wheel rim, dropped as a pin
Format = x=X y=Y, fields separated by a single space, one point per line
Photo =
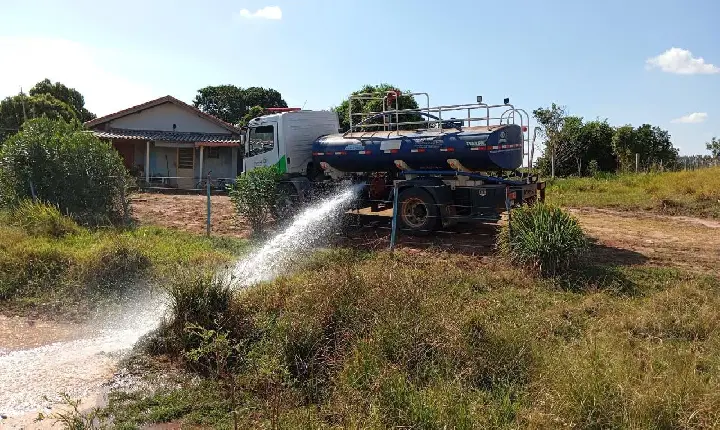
x=414 y=212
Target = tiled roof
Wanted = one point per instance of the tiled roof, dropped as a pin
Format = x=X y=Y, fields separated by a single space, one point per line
x=166 y=136
x=152 y=103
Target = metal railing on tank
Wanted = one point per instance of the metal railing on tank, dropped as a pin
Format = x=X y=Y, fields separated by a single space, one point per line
x=438 y=118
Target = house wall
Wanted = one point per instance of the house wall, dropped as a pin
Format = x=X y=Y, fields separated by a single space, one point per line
x=223 y=167
x=162 y=117
x=163 y=161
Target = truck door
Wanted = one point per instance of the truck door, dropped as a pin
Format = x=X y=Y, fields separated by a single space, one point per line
x=261 y=147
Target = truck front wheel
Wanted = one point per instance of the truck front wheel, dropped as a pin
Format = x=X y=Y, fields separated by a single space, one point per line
x=417 y=212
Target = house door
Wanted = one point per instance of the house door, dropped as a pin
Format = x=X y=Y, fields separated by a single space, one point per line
x=186 y=168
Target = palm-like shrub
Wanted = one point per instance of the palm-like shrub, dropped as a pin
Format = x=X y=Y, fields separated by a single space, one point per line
x=543 y=238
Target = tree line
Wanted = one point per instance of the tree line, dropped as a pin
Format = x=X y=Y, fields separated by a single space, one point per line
x=574 y=146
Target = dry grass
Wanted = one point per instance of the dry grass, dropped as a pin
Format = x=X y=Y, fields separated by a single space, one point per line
x=693 y=193
x=440 y=341
x=44 y=271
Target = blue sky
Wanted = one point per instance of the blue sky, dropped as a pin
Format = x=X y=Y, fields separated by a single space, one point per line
x=590 y=56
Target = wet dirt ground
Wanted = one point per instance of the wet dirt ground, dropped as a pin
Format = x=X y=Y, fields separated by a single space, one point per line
x=40 y=358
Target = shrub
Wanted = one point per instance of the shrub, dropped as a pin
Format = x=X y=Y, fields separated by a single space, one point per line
x=543 y=237
x=593 y=168
x=255 y=194
x=196 y=300
x=61 y=164
x=43 y=219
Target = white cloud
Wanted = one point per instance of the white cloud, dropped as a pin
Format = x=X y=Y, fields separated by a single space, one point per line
x=681 y=62
x=75 y=65
x=268 y=12
x=693 y=118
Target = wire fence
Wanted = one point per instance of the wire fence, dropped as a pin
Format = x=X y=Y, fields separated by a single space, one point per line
x=380 y=220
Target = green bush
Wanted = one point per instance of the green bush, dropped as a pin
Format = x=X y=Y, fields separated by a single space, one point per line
x=61 y=164
x=197 y=299
x=542 y=237
x=43 y=219
x=255 y=194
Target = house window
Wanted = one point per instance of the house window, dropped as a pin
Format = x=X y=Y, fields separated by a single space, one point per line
x=186 y=158
x=213 y=152
x=260 y=140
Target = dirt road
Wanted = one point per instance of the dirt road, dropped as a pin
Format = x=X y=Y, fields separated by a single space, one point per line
x=684 y=242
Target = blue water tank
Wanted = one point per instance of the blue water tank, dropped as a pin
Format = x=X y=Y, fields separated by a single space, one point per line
x=477 y=148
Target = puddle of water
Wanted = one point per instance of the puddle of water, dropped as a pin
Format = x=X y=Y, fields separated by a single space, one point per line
x=77 y=367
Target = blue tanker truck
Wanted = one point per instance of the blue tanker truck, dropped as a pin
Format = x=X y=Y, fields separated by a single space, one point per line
x=441 y=164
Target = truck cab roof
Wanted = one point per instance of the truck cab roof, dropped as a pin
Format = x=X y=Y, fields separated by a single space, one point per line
x=277 y=117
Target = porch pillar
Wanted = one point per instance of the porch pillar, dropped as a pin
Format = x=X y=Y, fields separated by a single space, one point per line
x=201 y=163
x=236 y=171
x=147 y=161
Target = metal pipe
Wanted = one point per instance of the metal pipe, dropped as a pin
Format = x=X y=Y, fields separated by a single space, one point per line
x=208 y=205
x=393 y=233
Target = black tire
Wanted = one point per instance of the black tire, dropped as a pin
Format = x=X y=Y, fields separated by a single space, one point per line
x=417 y=212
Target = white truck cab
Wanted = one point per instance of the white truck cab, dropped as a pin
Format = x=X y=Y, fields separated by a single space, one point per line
x=285 y=139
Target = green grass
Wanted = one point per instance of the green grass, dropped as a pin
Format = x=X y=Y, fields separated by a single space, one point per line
x=441 y=341
x=79 y=266
x=693 y=193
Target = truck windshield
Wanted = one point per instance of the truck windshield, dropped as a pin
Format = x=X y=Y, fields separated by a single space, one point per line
x=260 y=140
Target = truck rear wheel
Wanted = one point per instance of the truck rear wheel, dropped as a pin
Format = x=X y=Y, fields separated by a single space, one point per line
x=417 y=212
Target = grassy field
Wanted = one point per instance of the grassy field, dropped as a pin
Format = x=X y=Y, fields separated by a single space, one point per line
x=693 y=193
x=417 y=338
x=377 y=340
x=68 y=273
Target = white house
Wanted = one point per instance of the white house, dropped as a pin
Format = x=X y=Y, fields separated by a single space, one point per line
x=171 y=142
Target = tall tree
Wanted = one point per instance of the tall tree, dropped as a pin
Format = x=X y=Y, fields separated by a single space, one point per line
x=375 y=105
x=263 y=97
x=714 y=147
x=71 y=96
x=551 y=121
x=598 y=136
x=625 y=146
x=652 y=145
x=231 y=103
x=16 y=109
x=570 y=148
x=578 y=144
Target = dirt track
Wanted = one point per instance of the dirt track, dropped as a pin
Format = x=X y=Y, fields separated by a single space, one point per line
x=624 y=237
